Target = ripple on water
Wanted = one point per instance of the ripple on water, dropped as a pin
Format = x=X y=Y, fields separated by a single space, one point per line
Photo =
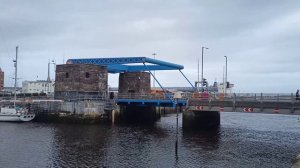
x=243 y=140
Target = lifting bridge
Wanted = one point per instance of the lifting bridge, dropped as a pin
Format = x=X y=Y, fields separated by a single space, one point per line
x=139 y=64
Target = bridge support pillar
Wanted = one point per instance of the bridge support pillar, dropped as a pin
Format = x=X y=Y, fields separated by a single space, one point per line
x=134 y=83
x=197 y=119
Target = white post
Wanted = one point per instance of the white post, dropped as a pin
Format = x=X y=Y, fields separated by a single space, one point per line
x=202 y=67
x=225 y=75
x=16 y=76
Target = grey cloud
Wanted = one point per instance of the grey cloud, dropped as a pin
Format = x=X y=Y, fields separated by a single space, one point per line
x=260 y=38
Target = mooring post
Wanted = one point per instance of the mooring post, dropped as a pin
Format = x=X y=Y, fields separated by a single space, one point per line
x=261 y=102
x=292 y=103
x=234 y=100
x=177 y=96
x=113 y=116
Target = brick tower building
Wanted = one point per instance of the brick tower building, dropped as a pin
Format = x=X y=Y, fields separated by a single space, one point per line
x=1 y=80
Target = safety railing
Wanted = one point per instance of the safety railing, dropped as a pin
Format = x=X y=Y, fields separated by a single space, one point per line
x=258 y=97
x=145 y=96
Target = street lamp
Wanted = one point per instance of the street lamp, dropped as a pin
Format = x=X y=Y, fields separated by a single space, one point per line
x=202 y=67
x=48 y=78
x=52 y=62
x=154 y=54
x=225 y=83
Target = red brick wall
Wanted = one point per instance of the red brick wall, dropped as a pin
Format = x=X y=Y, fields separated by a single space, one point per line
x=1 y=80
x=135 y=82
x=81 y=77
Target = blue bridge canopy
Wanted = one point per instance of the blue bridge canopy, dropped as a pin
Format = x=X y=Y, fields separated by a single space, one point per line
x=122 y=64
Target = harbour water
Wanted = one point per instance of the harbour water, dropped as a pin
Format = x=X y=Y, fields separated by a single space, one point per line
x=243 y=140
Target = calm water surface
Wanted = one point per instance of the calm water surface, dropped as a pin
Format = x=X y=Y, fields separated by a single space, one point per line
x=243 y=140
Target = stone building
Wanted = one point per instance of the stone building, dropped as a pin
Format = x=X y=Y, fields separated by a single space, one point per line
x=1 y=80
x=134 y=82
x=75 y=81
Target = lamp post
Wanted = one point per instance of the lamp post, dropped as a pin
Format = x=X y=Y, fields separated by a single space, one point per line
x=201 y=67
x=154 y=54
x=52 y=62
x=48 y=78
x=225 y=85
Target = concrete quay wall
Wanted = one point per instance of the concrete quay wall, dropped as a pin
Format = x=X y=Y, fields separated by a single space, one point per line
x=70 y=112
x=283 y=107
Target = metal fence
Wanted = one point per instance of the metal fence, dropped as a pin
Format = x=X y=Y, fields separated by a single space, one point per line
x=249 y=97
x=141 y=96
x=283 y=97
x=80 y=96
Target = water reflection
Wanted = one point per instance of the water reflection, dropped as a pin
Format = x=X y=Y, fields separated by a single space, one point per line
x=206 y=139
x=106 y=146
x=239 y=142
x=80 y=145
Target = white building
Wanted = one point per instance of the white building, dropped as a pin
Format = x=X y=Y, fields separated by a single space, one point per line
x=39 y=86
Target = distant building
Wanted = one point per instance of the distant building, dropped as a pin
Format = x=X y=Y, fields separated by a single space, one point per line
x=11 y=90
x=1 y=80
x=39 y=86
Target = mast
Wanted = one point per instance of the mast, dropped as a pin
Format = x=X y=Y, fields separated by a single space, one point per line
x=16 y=70
x=48 y=78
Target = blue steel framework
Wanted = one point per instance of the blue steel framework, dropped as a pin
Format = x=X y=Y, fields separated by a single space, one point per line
x=121 y=64
x=142 y=102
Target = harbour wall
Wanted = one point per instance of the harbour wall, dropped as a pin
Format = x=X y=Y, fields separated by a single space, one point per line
x=268 y=107
x=70 y=112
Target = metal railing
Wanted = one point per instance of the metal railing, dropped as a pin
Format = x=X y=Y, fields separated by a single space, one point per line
x=141 y=96
x=256 y=97
x=81 y=96
x=145 y=96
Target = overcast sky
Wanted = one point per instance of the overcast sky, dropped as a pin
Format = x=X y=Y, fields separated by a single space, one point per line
x=260 y=37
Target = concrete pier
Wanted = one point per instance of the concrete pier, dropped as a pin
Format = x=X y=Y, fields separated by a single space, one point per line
x=70 y=112
x=199 y=119
x=132 y=83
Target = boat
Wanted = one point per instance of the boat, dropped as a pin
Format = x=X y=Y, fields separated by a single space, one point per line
x=15 y=113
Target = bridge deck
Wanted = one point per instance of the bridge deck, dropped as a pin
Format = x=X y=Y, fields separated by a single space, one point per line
x=275 y=104
x=150 y=100
x=231 y=105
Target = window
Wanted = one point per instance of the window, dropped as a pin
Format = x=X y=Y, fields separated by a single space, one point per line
x=87 y=75
x=131 y=91
x=67 y=74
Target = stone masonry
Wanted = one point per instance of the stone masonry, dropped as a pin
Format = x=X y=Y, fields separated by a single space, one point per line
x=134 y=82
x=1 y=80
x=73 y=80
